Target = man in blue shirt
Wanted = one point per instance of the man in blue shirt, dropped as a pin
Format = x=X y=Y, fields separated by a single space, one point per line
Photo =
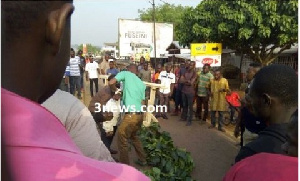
x=112 y=70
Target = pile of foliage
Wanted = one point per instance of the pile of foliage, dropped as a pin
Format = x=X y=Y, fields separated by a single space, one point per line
x=168 y=162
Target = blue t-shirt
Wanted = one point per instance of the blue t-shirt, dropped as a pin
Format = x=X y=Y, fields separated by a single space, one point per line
x=252 y=123
x=112 y=71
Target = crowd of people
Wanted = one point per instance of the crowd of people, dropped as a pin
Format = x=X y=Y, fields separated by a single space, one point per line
x=48 y=134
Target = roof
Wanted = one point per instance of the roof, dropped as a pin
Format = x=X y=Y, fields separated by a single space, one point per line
x=174 y=45
x=110 y=44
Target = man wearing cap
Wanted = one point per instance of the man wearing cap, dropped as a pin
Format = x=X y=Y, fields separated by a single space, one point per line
x=133 y=97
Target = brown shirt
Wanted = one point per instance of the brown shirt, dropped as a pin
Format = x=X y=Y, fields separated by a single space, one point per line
x=189 y=89
x=101 y=97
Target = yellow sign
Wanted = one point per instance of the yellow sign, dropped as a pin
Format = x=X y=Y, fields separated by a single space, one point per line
x=206 y=49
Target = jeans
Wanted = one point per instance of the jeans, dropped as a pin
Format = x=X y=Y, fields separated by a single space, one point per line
x=213 y=118
x=200 y=101
x=75 y=83
x=128 y=129
x=187 y=111
x=92 y=82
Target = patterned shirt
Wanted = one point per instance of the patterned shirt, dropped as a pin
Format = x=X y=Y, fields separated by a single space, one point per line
x=74 y=66
x=203 y=81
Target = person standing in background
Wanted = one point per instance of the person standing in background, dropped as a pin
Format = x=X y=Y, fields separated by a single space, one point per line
x=92 y=72
x=82 y=67
x=64 y=85
x=112 y=70
x=217 y=90
x=75 y=74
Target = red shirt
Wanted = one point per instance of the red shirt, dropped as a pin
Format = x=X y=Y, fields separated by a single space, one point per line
x=233 y=99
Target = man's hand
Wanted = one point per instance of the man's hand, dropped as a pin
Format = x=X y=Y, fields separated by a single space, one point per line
x=109 y=134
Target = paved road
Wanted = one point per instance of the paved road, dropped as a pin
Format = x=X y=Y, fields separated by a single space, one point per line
x=213 y=152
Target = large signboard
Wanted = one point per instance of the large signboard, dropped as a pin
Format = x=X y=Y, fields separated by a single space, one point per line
x=206 y=53
x=136 y=38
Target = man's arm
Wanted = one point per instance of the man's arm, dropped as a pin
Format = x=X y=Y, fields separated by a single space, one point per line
x=98 y=70
x=112 y=84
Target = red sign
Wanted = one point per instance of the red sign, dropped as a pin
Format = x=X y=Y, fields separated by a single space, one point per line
x=207 y=61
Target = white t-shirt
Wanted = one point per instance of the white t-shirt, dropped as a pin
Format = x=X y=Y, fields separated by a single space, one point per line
x=112 y=106
x=91 y=68
x=74 y=66
x=166 y=80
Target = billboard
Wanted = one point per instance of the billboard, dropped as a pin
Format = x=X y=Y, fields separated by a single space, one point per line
x=136 y=38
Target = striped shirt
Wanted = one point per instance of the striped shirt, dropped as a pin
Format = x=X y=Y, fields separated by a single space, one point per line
x=74 y=66
x=203 y=81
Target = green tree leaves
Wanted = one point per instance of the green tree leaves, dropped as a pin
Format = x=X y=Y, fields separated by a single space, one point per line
x=247 y=26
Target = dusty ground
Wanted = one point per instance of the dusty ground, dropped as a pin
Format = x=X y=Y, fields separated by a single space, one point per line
x=213 y=152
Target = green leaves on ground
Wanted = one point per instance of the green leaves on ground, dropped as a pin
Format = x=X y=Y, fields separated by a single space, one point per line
x=169 y=163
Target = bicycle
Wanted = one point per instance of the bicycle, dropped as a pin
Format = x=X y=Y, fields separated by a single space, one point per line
x=231 y=114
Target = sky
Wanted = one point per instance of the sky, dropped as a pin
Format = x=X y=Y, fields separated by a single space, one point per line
x=96 y=21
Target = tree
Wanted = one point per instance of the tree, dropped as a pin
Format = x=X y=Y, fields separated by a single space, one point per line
x=254 y=27
x=90 y=48
x=165 y=13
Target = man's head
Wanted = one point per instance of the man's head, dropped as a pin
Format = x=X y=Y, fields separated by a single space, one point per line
x=117 y=96
x=168 y=67
x=91 y=59
x=187 y=64
x=252 y=70
x=106 y=57
x=40 y=32
x=206 y=68
x=111 y=64
x=145 y=65
x=191 y=65
x=132 y=68
x=72 y=53
x=79 y=52
x=217 y=74
x=142 y=60
x=291 y=146
x=158 y=68
x=273 y=93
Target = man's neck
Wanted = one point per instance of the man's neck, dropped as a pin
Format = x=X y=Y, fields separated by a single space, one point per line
x=283 y=115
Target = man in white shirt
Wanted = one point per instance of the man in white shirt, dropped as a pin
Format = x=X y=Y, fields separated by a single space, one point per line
x=75 y=74
x=108 y=128
x=167 y=79
x=92 y=71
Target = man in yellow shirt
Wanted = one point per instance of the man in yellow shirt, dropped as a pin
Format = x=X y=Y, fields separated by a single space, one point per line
x=217 y=89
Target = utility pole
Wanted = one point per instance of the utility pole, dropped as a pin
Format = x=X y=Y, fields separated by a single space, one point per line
x=153 y=17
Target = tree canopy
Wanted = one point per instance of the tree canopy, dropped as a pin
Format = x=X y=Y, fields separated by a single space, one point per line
x=164 y=13
x=254 y=27
x=90 y=48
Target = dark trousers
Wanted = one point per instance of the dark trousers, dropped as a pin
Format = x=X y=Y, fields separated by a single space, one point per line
x=75 y=83
x=92 y=82
x=164 y=100
x=81 y=80
x=107 y=140
x=187 y=104
x=178 y=99
x=202 y=101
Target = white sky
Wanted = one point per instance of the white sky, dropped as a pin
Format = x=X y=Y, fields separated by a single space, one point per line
x=96 y=21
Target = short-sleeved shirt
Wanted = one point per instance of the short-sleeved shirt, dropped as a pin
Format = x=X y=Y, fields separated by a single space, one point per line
x=104 y=65
x=189 y=89
x=203 y=81
x=133 y=90
x=145 y=75
x=112 y=71
x=74 y=66
x=91 y=68
x=218 y=101
x=166 y=80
